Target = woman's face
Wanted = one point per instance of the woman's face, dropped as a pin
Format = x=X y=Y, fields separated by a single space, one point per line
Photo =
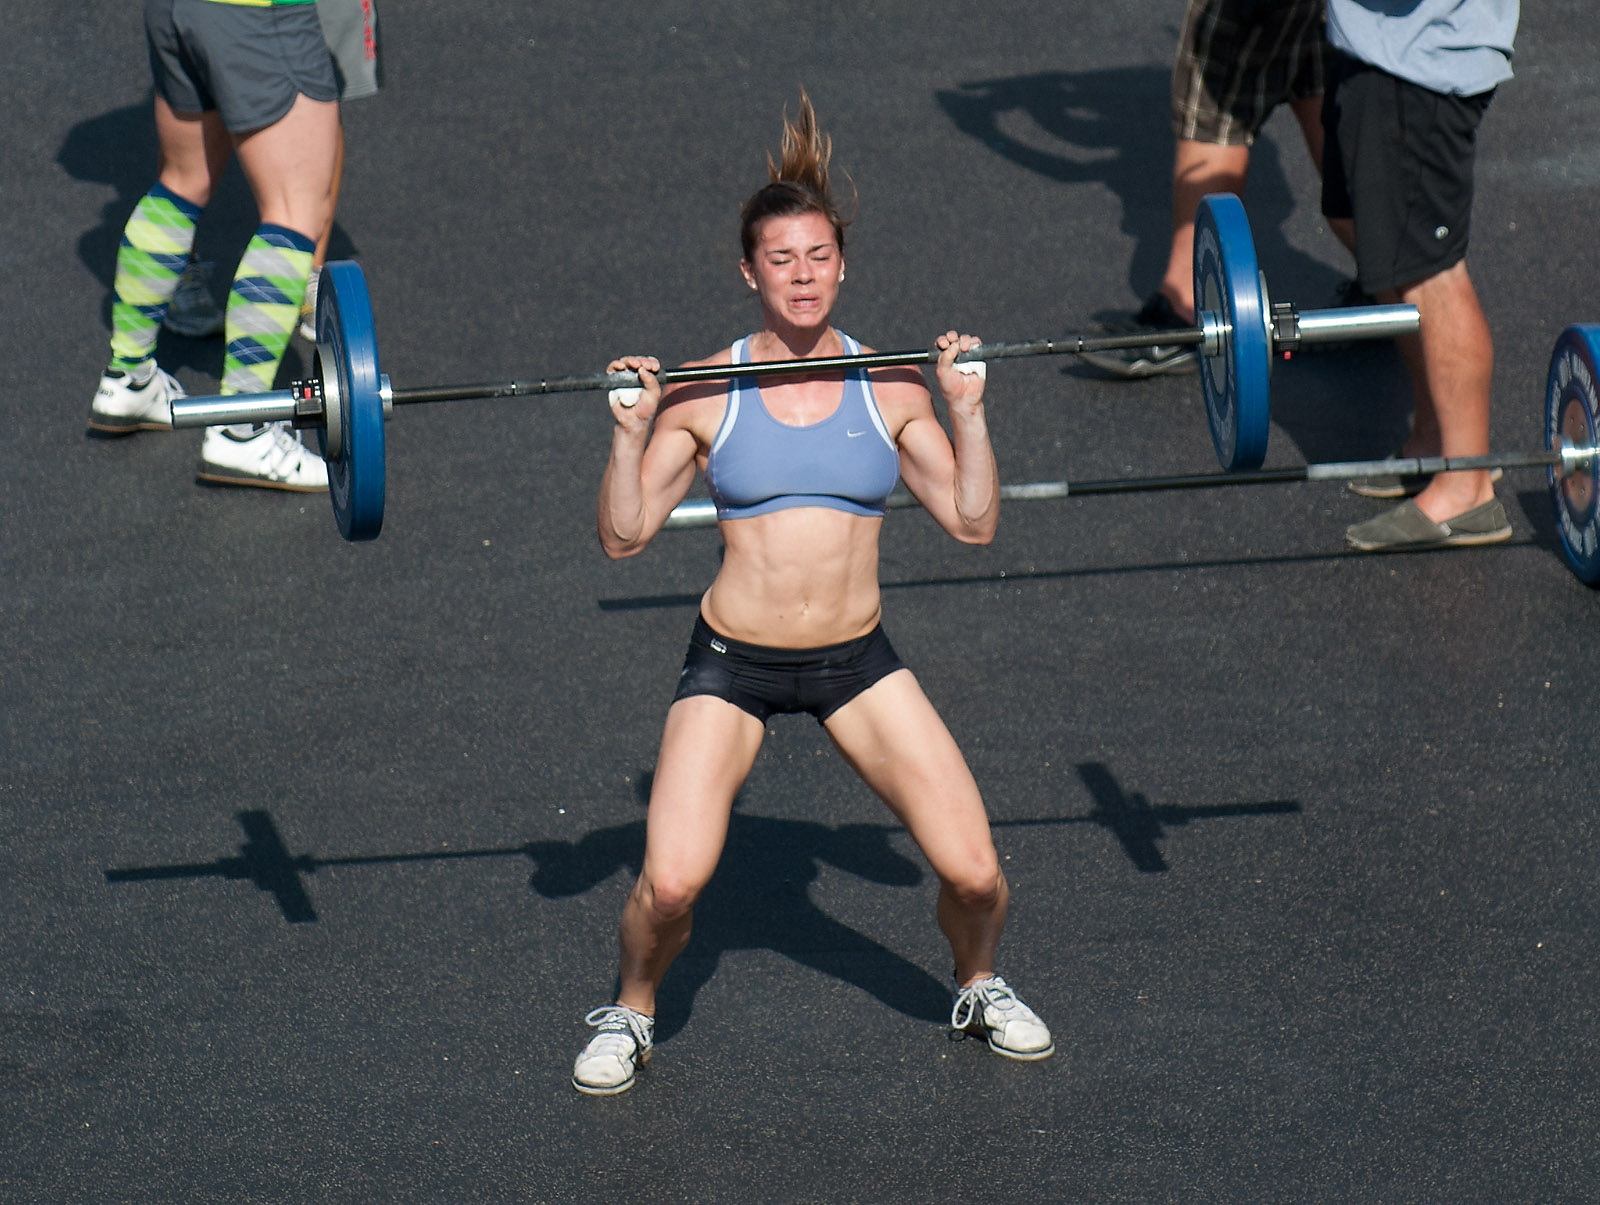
x=796 y=268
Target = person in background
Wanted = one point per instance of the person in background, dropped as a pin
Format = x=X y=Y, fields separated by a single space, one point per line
x=1237 y=61
x=1408 y=87
x=254 y=80
x=350 y=27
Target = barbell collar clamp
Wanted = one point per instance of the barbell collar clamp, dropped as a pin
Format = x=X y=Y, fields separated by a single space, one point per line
x=1285 y=328
x=310 y=412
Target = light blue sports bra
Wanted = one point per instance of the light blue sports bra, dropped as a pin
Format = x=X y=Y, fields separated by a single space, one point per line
x=758 y=465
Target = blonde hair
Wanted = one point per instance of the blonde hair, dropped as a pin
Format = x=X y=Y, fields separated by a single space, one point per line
x=797 y=183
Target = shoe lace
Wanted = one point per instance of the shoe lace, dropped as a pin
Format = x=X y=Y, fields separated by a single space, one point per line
x=620 y=1019
x=993 y=992
x=286 y=443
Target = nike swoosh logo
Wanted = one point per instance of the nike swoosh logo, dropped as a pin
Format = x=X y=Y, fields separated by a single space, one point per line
x=854 y=434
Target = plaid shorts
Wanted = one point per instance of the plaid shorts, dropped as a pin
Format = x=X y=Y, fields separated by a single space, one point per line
x=1240 y=59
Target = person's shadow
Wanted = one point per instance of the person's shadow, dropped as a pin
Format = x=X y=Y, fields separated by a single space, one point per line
x=119 y=149
x=759 y=899
x=1111 y=127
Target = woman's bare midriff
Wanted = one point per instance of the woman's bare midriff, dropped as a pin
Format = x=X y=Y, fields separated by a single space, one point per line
x=797 y=578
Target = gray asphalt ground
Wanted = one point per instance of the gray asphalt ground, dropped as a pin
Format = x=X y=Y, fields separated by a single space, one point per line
x=314 y=852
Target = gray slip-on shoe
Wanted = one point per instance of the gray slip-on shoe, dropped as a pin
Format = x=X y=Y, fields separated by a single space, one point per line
x=1407 y=529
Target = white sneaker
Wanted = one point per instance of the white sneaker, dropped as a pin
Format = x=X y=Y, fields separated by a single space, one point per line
x=121 y=406
x=990 y=1008
x=308 y=308
x=273 y=458
x=193 y=311
x=606 y=1065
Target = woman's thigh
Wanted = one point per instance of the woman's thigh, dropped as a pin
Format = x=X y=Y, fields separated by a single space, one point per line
x=892 y=736
x=707 y=749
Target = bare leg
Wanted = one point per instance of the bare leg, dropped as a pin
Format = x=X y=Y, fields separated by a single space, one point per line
x=1198 y=168
x=290 y=166
x=1451 y=362
x=194 y=151
x=321 y=256
x=895 y=740
x=707 y=750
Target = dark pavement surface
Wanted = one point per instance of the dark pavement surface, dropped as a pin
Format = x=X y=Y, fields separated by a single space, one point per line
x=314 y=852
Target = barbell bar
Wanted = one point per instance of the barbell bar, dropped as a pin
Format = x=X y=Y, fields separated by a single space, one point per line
x=1239 y=330
x=1572 y=422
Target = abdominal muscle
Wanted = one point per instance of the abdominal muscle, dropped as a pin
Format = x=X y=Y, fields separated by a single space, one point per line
x=797 y=578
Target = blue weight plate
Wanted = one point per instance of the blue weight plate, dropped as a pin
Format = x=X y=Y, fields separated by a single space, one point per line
x=348 y=349
x=1235 y=380
x=1571 y=407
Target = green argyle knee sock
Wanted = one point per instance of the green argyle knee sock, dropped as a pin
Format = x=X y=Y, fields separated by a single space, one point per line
x=155 y=248
x=263 y=307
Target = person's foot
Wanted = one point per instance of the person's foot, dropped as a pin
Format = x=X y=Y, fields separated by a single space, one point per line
x=609 y=1063
x=1158 y=358
x=122 y=404
x=990 y=1009
x=308 y=308
x=1404 y=485
x=271 y=457
x=1407 y=529
x=193 y=311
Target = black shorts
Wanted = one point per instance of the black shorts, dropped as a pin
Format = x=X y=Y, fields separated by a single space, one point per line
x=1398 y=159
x=767 y=681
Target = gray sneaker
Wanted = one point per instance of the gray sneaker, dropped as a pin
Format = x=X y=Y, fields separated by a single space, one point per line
x=1158 y=359
x=193 y=311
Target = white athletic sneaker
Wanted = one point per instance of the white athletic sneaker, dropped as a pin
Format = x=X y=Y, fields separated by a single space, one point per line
x=990 y=1008
x=192 y=310
x=606 y=1065
x=308 y=308
x=273 y=458
x=121 y=406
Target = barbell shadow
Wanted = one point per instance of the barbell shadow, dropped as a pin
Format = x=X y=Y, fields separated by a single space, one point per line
x=759 y=898
x=1138 y=825
x=1543 y=539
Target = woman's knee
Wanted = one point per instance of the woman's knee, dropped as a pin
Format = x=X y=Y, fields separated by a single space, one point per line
x=978 y=885
x=668 y=896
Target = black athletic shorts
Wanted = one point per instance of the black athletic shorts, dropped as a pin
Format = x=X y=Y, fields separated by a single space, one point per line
x=1398 y=158
x=766 y=681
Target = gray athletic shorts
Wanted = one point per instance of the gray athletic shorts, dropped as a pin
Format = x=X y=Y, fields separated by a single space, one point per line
x=350 y=27
x=246 y=62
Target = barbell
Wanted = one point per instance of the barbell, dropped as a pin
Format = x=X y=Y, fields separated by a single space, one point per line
x=1239 y=330
x=1572 y=404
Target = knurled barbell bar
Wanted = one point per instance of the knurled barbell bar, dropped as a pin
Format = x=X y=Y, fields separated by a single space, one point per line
x=1572 y=404
x=1238 y=332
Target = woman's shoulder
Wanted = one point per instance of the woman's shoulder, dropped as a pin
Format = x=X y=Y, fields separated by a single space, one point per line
x=687 y=399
